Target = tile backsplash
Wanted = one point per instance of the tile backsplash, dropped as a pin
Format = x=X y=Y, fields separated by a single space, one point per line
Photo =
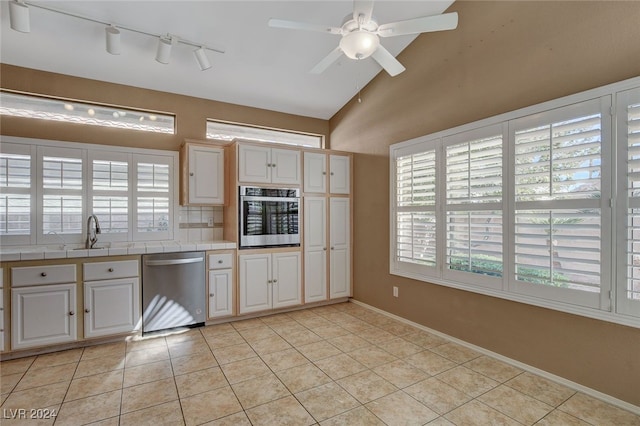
x=194 y=223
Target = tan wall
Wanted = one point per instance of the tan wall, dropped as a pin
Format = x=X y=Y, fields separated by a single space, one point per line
x=503 y=56
x=191 y=113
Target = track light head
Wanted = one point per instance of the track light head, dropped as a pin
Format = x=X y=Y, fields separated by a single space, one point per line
x=19 y=16
x=113 y=40
x=164 y=49
x=201 y=57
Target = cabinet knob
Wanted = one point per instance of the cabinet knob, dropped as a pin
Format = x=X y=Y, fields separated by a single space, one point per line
x=43 y=274
x=273 y=165
x=324 y=173
x=331 y=173
x=269 y=281
x=275 y=281
x=324 y=248
x=110 y=269
x=87 y=310
x=332 y=248
x=211 y=294
x=71 y=313
x=220 y=261
x=191 y=174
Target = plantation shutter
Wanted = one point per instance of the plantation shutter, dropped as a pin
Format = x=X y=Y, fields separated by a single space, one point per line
x=628 y=109
x=473 y=206
x=558 y=221
x=153 y=197
x=15 y=197
x=416 y=208
x=109 y=193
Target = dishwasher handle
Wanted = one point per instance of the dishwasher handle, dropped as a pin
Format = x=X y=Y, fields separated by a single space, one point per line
x=173 y=261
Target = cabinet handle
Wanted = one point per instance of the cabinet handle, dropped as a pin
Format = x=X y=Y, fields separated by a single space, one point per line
x=43 y=274
x=191 y=174
x=72 y=313
x=86 y=310
x=110 y=269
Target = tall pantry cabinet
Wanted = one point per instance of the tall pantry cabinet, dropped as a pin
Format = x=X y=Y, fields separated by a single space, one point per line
x=327 y=226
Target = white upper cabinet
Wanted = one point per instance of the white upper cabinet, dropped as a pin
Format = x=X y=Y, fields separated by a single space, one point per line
x=204 y=176
x=339 y=174
x=268 y=165
x=315 y=172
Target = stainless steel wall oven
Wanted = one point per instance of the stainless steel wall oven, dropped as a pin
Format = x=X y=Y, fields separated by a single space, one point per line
x=269 y=217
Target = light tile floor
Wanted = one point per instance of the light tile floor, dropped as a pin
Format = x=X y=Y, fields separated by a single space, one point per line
x=333 y=365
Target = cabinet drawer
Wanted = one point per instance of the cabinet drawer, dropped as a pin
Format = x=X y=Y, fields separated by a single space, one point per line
x=109 y=270
x=39 y=275
x=220 y=261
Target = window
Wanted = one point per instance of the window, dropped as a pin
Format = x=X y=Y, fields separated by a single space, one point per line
x=523 y=206
x=131 y=191
x=416 y=214
x=628 y=266
x=153 y=199
x=29 y=106
x=473 y=191
x=230 y=131
x=16 y=175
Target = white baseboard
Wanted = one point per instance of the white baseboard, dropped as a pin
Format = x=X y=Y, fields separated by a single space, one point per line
x=568 y=383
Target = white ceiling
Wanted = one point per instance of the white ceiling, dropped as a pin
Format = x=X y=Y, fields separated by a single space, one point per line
x=262 y=67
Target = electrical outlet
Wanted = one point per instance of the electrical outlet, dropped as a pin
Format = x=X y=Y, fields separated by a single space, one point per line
x=210 y=221
x=395 y=291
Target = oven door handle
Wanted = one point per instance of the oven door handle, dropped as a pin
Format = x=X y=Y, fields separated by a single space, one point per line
x=272 y=199
x=173 y=261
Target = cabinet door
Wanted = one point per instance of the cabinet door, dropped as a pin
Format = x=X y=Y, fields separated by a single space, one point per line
x=43 y=315
x=255 y=282
x=285 y=166
x=315 y=276
x=287 y=282
x=339 y=174
x=111 y=306
x=315 y=172
x=340 y=248
x=254 y=164
x=206 y=175
x=220 y=293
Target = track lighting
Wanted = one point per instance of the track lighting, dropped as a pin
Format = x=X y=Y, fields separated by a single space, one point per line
x=201 y=57
x=19 y=16
x=113 y=39
x=164 y=49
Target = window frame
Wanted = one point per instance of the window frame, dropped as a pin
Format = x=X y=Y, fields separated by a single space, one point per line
x=37 y=237
x=608 y=306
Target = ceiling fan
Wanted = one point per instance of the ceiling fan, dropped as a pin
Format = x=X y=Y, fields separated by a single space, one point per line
x=361 y=35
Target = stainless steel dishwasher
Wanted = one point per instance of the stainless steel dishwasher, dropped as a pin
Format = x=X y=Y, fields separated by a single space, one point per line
x=173 y=290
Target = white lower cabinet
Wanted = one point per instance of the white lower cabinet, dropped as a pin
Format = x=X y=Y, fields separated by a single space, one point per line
x=269 y=280
x=315 y=249
x=111 y=297
x=43 y=315
x=220 y=293
x=111 y=306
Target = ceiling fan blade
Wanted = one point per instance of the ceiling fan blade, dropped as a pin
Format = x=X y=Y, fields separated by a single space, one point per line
x=448 y=21
x=294 y=25
x=387 y=61
x=327 y=61
x=364 y=8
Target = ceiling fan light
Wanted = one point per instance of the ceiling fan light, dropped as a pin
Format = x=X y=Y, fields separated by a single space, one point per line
x=359 y=44
x=19 y=17
x=113 y=40
x=164 y=50
x=201 y=57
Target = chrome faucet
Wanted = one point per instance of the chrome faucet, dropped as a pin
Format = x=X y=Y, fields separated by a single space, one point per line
x=92 y=234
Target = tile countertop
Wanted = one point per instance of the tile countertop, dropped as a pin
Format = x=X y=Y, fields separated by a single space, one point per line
x=15 y=253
